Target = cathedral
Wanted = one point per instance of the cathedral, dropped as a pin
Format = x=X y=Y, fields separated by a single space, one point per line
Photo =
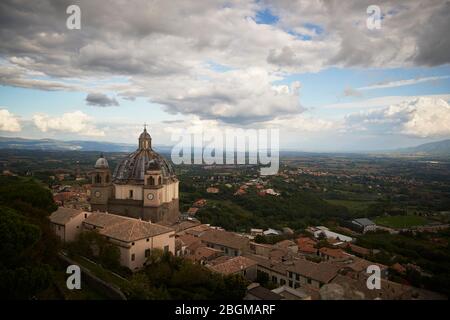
x=143 y=185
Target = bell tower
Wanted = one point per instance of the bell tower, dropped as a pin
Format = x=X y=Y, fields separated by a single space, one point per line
x=102 y=187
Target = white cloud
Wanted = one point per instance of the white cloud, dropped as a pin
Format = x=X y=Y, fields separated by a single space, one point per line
x=421 y=117
x=400 y=83
x=8 y=121
x=72 y=122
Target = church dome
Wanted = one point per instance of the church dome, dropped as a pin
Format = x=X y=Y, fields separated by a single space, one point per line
x=132 y=169
x=101 y=163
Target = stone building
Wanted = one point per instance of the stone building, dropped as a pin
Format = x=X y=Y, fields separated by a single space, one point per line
x=143 y=185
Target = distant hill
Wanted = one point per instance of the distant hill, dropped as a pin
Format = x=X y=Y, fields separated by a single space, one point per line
x=55 y=145
x=432 y=148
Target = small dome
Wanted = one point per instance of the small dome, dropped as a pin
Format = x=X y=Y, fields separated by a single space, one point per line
x=101 y=163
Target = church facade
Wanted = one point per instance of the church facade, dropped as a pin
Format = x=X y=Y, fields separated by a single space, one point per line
x=143 y=185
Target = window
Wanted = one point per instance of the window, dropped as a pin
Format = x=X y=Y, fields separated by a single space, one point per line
x=131 y=194
x=297 y=277
x=290 y=283
x=151 y=181
x=147 y=253
x=226 y=250
x=235 y=253
x=309 y=281
x=282 y=282
x=290 y=274
x=98 y=179
x=148 y=239
x=132 y=257
x=274 y=279
x=166 y=248
x=132 y=243
x=159 y=180
x=85 y=215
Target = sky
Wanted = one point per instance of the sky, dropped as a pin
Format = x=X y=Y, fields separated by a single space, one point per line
x=315 y=70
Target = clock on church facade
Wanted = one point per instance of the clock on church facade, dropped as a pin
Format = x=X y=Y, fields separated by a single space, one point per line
x=143 y=185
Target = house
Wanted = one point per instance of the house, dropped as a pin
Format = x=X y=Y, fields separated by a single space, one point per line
x=256 y=232
x=212 y=190
x=306 y=273
x=325 y=232
x=288 y=245
x=272 y=192
x=272 y=232
x=67 y=223
x=230 y=243
x=363 y=225
x=257 y=292
x=306 y=245
x=289 y=293
x=236 y=265
x=135 y=238
x=203 y=254
x=330 y=253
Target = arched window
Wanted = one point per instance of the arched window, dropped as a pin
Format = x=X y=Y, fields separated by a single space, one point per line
x=151 y=181
x=98 y=179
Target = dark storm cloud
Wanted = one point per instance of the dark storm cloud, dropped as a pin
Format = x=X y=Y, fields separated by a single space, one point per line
x=100 y=100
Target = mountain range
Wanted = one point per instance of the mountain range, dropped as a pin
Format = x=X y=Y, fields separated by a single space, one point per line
x=433 y=148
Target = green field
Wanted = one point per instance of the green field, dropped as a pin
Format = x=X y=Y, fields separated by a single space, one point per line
x=401 y=221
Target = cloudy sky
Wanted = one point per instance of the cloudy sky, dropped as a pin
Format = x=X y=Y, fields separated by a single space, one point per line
x=312 y=69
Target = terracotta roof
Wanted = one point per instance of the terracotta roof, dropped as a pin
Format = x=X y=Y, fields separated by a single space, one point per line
x=63 y=215
x=205 y=252
x=285 y=244
x=334 y=253
x=233 y=265
x=306 y=245
x=124 y=228
x=188 y=239
x=323 y=272
x=264 y=293
x=398 y=267
x=225 y=238
x=360 y=264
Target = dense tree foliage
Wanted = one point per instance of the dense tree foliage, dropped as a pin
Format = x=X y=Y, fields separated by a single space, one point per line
x=92 y=245
x=28 y=245
x=419 y=249
x=170 y=277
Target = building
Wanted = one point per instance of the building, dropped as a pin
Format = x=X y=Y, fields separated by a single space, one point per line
x=325 y=232
x=135 y=238
x=256 y=292
x=229 y=243
x=236 y=265
x=143 y=185
x=306 y=273
x=363 y=225
x=67 y=223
